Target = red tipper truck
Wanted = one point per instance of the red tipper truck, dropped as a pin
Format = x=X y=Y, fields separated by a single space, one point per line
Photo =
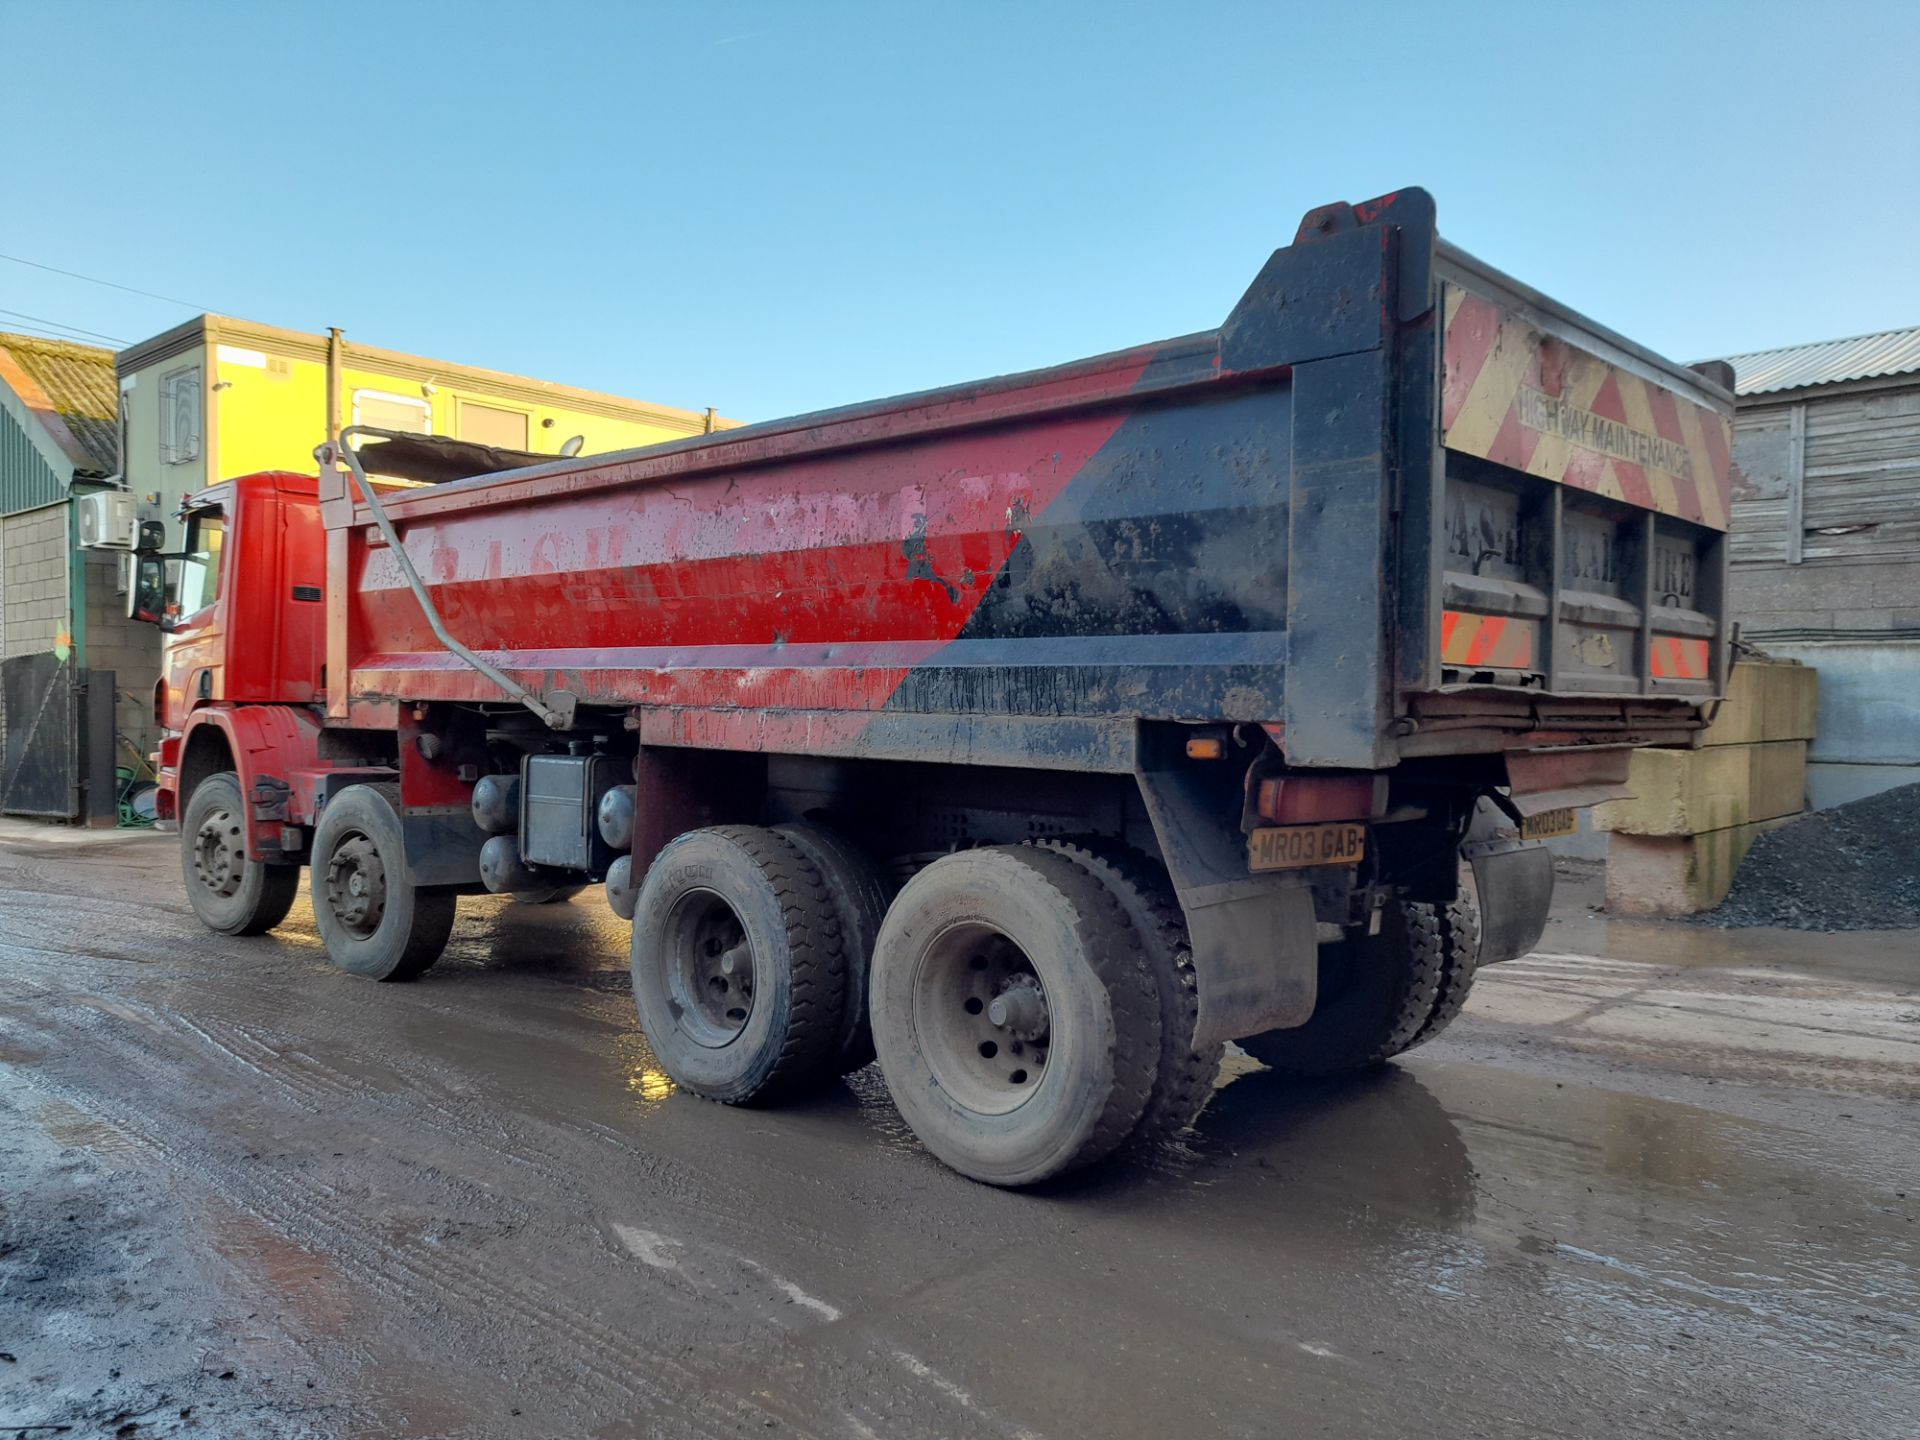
x=1039 y=734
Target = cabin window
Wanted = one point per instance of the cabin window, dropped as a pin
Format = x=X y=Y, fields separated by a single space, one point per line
x=407 y=414
x=490 y=425
x=180 y=416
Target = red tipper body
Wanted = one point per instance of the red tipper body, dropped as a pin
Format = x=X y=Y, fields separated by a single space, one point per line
x=1193 y=531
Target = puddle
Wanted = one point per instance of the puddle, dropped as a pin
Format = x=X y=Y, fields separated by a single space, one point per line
x=1881 y=957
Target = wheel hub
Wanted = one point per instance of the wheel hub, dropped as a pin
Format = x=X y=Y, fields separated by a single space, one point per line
x=983 y=1019
x=219 y=853
x=710 y=980
x=357 y=886
x=1020 y=1009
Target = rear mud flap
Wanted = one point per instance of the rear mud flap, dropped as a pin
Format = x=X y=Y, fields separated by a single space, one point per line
x=1256 y=953
x=1256 y=956
x=1514 y=881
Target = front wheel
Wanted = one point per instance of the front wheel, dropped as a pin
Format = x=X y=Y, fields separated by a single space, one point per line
x=1014 y=1014
x=375 y=921
x=230 y=892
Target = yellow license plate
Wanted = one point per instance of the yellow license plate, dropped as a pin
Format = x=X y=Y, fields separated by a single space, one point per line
x=1294 y=847
x=1549 y=823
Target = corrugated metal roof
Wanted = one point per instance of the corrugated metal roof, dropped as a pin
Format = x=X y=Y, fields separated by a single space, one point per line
x=70 y=385
x=1827 y=362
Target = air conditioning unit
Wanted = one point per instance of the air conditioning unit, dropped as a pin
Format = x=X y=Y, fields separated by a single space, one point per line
x=109 y=520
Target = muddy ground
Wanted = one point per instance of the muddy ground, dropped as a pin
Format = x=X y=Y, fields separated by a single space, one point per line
x=1658 y=1181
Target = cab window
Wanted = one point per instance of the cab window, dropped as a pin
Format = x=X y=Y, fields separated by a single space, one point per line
x=197 y=581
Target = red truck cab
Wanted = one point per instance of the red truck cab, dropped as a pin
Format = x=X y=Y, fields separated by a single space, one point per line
x=253 y=569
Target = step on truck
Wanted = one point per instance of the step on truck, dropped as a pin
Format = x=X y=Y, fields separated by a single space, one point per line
x=1035 y=736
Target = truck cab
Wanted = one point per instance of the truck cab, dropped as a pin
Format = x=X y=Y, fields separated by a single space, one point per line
x=252 y=571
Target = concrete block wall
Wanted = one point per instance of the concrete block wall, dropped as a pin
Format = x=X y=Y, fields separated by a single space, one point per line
x=1869 y=727
x=128 y=648
x=36 y=615
x=1775 y=601
x=35 y=588
x=1676 y=843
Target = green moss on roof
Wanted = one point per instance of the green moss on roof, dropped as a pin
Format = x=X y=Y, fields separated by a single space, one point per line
x=79 y=384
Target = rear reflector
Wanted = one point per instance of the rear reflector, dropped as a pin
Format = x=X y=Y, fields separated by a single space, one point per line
x=1675 y=659
x=1309 y=800
x=1486 y=642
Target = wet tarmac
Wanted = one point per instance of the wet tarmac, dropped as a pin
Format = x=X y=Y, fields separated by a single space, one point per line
x=1658 y=1181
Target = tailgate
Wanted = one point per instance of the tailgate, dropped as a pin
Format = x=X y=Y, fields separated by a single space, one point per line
x=1585 y=502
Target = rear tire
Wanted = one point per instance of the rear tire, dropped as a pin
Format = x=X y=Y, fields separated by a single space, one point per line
x=1459 y=962
x=1014 y=1014
x=229 y=892
x=860 y=896
x=376 y=922
x=1184 y=1080
x=739 y=971
x=1377 y=992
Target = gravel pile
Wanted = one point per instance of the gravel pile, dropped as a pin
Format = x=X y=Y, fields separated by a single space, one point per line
x=1854 y=867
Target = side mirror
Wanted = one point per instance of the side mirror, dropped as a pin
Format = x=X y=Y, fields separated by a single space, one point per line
x=152 y=537
x=147 y=596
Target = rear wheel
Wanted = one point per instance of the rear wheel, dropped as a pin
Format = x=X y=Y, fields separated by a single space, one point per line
x=375 y=921
x=1377 y=993
x=739 y=970
x=1014 y=1014
x=1184 y=1080
x=1459 y=961
x=229 y=892
x=859 y=894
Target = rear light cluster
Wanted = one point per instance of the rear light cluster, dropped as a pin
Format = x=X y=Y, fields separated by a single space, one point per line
x=1311 y=799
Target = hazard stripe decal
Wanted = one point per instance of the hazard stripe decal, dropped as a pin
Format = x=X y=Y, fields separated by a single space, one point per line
x=1486 y=642
x=1676 y=659
x=1535 y=403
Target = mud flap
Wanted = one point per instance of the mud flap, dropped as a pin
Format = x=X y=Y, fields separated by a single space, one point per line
x=1256 y=956
x=1514 y=881
x=1256 y=953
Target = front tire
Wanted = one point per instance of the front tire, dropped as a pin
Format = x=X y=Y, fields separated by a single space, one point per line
x=228 y=891
x=739 y=973
x=375 y=921
x=1014 y=1014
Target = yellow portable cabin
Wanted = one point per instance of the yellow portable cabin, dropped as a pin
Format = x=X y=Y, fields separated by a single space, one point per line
x=219 y=397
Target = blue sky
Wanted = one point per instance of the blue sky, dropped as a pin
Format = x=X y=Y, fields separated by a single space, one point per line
x=776 y=207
